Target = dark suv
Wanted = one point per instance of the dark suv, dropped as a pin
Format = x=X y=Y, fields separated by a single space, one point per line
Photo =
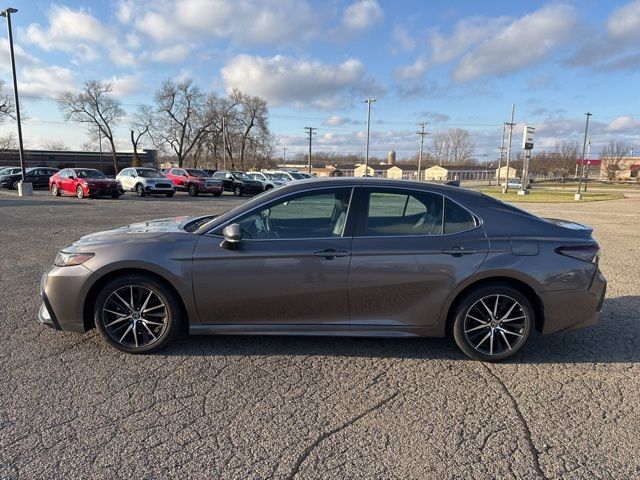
x=239 y=183
x=38 y=176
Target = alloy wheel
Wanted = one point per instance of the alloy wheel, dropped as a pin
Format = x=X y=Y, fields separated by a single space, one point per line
x=79 y=192
x=495 y=325
x=54 y=190
x=135 y=316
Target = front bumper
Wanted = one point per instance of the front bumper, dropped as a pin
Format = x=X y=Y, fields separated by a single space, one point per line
x=63 y=291
x=210 y=189
x=570 y=310
x=252 y=189
x=103 y=191
x=159 y=189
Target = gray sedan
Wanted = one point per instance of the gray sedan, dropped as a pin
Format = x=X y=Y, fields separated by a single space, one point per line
x=342 y=256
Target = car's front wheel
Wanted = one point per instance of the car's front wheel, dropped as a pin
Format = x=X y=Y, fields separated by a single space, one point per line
x=54 y=190
x=237 y=191
x=493 y=322
x=79 y=191
x=140 y=190
x=137 y=314
x=192 y=189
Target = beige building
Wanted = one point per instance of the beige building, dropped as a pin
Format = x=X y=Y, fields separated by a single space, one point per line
x=436 y=173
x=359 y=171
x=513 y=173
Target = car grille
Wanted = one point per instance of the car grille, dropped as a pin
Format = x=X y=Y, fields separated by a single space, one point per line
x=163 y=185
x=211 y=183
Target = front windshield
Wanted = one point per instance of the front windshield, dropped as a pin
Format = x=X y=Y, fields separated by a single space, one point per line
x=9 y=171
x=240 y=175
x=194 y=172
x=90 y=174
x=148 y=173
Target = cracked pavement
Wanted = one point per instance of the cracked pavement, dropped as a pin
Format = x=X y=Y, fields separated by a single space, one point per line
x=309 y=408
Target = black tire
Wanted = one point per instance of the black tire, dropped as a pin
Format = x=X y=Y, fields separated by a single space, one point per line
x=55 y=191
x=169 y=194
x=14 y=185
x=79 y=192
x=237 y=191
x=482 y=335
x=140 y=190
x=193 y=190
x=171 y=314
x=268 y=187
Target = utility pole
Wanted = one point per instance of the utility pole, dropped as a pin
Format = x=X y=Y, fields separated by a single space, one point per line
x=24 y=188
x=511 y=124
x=422 y=133
x=586 y=178
x=578 y=196
x=311 y=133
x=284 y=156
x=504 y=130
x=368 y=101
x=224 y=147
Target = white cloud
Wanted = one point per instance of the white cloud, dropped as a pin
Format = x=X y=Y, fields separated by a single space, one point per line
x=125 y=12
x=624 y=123
x=411 y=72
x=338 y=121
x=401 y=39
x=45 y=81
x=625 y=21
x=525 y=41
x=286 y=80
x=126 y=84
x=174 y=54
x=251 y=22
x=362 y=14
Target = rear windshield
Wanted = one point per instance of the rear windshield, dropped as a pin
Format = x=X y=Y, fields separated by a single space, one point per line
x=196 y=173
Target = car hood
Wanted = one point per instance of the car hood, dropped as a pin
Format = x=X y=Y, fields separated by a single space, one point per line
x=132 y=233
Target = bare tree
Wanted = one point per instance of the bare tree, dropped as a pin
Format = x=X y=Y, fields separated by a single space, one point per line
x=612 y=156
x=182 y=116
x=6 y=104
x=8 y=142
x=56 y=145
x=452 y=146
x=253 y=114
x=142 y=122
x=96 y=107
x=563 y=161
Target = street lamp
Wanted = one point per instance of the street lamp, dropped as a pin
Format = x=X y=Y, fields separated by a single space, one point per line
x=368 y=101
x=24 y=188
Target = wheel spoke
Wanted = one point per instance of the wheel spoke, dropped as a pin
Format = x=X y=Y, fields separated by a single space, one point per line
x=512 y=319
x=131 y=288
x=144 y=305
x=152 y=308
x=491 y=343
x=476 y=328
x=486 y=308
x=124 y=302
x=125 y=332
x=506 y=315
x=483 y=339
x=484 y=322
x=135 y=334
x=118 y=320
x=495 y=307
x=115 y=313
x=149 y=330
x=510 y=333
x=504 y=337
x=149 y=322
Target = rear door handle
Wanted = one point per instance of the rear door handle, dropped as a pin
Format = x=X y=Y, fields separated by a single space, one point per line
x=457 y=251
x=331 y=253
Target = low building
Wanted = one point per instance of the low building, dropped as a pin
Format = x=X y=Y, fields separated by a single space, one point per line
x=628 y=169
x=502 y=174
x=403 y=171
x=74 y=159
x=459 y=172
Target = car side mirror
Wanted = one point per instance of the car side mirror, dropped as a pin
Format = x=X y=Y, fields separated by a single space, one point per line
x=232 y=236
x=71 y=177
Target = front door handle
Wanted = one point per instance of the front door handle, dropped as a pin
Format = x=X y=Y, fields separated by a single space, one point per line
x=331 y=253
x=457 y=251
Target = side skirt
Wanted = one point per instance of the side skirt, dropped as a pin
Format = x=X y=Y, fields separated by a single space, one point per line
x=316 y=330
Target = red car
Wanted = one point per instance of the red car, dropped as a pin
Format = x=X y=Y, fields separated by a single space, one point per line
x=83 y=182
x=194 y=181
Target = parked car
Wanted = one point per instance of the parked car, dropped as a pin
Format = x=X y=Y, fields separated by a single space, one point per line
x=239 y=183
x=145 y=181
x=268 y=180
x=194 y=181
x=352 y=257
x=84 y=182
x=307 y=175
x=287 y=175
x=209 y=171
x=37 y=176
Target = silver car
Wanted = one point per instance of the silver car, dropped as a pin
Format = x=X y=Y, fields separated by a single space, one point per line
x=340 y=256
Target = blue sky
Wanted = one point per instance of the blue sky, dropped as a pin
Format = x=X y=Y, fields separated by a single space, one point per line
x=452 y=64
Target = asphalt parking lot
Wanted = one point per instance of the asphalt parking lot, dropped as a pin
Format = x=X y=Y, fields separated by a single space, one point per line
x=309 y=408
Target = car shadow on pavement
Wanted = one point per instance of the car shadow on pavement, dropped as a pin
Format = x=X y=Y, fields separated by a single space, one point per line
x=614 y=340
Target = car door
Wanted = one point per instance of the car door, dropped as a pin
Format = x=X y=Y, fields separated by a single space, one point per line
x=291 y=266
x=410 y=250
x=64 y=180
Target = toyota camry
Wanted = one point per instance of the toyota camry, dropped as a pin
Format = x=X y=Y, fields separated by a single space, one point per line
x=342 y=256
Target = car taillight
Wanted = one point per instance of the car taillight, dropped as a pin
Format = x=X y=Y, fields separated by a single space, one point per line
x=586 y=253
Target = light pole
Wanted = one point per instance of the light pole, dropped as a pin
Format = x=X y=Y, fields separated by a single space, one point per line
x=422 y=133
x=511 y=124
x=368 y=101
x=24 y=188
x=578 y=196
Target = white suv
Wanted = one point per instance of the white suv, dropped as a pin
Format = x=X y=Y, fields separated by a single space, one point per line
x=286 y=175
x=145 y=181
x=267 y=179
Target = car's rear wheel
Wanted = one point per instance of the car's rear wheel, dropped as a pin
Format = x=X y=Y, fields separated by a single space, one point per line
x=139 y=190
x=55 y=191
x=493 y=322
x=79 y=192
x=15 y=184
x=237 y=191
x=137 y=314
x=192 y=189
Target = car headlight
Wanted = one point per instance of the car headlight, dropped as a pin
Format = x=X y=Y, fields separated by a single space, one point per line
x=66 y=259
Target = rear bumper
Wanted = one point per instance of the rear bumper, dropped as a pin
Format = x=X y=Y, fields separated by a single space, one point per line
x=570 y=310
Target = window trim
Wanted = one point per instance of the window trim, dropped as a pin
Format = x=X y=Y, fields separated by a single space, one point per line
x=217 y=231
x=363 y=215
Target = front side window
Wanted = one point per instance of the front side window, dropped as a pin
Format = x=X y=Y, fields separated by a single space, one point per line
x=404 y=213
x=147 y=173
x=321 y=214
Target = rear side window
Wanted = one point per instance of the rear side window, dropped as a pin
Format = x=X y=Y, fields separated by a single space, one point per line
x=404 y=213
x=457 y=219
